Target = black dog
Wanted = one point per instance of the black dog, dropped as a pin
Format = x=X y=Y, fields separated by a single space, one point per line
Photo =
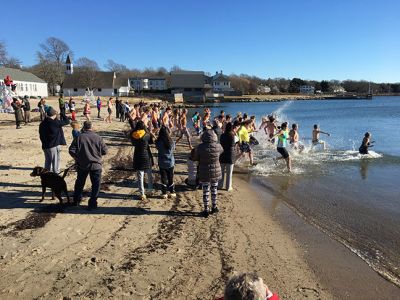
x=52 y=180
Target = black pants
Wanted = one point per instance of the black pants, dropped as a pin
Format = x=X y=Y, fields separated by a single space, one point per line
x=122 y=117
x=98 y=113
x=167 y=180
x=95 y=178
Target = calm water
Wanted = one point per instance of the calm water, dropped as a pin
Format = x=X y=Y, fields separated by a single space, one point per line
x=353 y=198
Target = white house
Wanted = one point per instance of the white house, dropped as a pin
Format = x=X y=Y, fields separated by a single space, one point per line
x=338 y=89
x=307 y=89
x=104 y=83
x=148 y=84
x=263 y=89
x=221 y=83
x=26 y=82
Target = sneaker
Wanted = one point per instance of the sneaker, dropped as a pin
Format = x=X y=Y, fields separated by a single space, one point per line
x=143 y=197
x=164 y=196
x=214 y=210
x=172 y=195
x=229 y=189
x=205 y=213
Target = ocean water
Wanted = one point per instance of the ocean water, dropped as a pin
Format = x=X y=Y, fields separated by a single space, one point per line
x=351 y=197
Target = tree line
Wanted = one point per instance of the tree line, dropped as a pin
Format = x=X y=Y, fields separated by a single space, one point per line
x=53 y=53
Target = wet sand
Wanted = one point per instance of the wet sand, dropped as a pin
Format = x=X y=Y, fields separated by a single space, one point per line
x=154 y=249
x=341 y=270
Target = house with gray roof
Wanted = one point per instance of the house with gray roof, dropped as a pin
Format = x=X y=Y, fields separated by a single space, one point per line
x=190 y=84
x=26 y=82
x=221 y=83
x=103 y=84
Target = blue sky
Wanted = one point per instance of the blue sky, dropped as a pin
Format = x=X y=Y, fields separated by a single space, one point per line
x=310 y=39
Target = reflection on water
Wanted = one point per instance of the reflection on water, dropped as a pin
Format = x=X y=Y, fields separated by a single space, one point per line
x=364 y=163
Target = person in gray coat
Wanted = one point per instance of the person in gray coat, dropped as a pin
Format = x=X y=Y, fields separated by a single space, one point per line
x=207 y=154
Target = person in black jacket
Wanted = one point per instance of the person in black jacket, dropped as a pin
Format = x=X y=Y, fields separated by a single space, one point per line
x=227 y=158
x=142 y=157
x=52 y=137
x=27 y=110
x=87 y=150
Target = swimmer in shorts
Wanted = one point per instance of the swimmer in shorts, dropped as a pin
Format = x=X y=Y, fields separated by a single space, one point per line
x=315 y=137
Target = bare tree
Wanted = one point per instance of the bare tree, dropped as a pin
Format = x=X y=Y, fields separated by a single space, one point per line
x=86 y=70
x=55 y=51
x=8 y=61
x=115 y=67
x=3 y=53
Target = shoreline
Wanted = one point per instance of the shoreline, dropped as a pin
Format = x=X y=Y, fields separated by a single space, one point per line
x=333 y=262
x=128 y=248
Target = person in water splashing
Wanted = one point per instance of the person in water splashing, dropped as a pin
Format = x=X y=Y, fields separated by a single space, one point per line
x=366 y=144
x=294 y=139
x=283 y=135
x=315 y=137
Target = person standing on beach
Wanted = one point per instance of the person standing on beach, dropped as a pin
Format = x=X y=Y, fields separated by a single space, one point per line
x=184 y=130
x=207 y=154
x=86 y=110
x=98 y=105
x=27 y=110
x=283 y=135
x=19 y=117
x=108 y=119
x=166 y=162
x=315 y=137
x=87 y=149
x=61 y=104
x=142 y=157
x=227 y=158
x=166 y=118
x=52 y=137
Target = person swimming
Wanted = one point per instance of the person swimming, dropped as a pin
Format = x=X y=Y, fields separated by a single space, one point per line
x=366 y=144
x=315 y=137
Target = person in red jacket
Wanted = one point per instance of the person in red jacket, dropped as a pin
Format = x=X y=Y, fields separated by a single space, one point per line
x=247 y=286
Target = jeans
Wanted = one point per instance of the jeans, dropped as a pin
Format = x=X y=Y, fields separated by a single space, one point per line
x=95 y=178
x=140 y=178
x=167 y=180
x=52 y=159
x=228 y=169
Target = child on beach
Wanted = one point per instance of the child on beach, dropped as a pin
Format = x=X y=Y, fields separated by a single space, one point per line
x=315 y=137
x=192 y=180
x=75 y=129
x=207 y=155
x=366 y=144
x=73 y=112
x=282 y=135
x=166 y=162
x=247 y=286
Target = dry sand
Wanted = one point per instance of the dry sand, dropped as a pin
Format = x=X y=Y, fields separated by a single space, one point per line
x=154 y=249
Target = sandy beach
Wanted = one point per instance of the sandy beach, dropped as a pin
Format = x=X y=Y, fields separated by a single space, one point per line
x=153 y=249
